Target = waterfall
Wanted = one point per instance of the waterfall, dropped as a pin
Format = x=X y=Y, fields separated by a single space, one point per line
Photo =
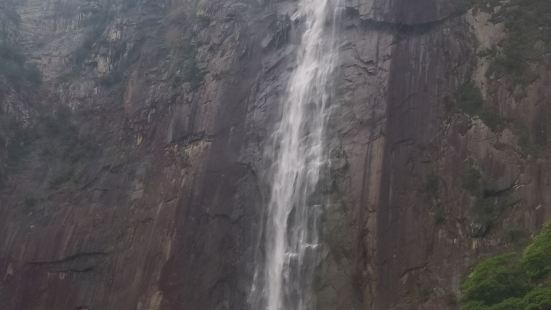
x=290 y=244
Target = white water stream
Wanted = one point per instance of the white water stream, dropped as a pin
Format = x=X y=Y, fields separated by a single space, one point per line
x=283 y=278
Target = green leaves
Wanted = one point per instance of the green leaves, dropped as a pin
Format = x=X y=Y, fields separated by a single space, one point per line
x=512 y=281
x=496 y=279
x=536 y=259
x=528 y=26
x=538 y=299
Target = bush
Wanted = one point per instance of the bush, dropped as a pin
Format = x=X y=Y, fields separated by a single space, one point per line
x=505 y=282
x=495 y=279
x=189 y=71
x=536 y=259
x=469 y=101
x=538 y=299
x=509 y=304
x=488 y=207
x=470 y=98
x=490 y=116
x=473 y=305
x=486 y=211
x=528 y=24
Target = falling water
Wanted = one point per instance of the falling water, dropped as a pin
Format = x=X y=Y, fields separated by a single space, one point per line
x=283 y=278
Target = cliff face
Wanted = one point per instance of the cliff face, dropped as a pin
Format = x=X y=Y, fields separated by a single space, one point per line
x=133 y=167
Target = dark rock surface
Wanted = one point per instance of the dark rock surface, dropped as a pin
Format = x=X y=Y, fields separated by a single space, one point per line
x=133 y=175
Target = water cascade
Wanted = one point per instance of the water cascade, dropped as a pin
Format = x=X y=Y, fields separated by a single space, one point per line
x=284 y=275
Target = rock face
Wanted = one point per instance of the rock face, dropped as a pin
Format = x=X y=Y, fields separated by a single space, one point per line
x=132 y=175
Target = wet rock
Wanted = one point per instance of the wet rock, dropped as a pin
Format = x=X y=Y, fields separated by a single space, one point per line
x=177 y=101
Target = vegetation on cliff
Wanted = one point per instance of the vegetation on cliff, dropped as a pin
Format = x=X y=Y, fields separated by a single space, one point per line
x=528 y=26
x=470 y=101
x=512 y=281
x=488 y=201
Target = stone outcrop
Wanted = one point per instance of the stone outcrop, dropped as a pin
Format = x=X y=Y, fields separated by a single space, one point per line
x=133 y=174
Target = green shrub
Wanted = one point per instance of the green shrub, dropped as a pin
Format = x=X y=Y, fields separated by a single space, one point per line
x=536 y=259
x=470 y=101
x=490 y=116
x=485 y=213
x=473 y=305
x=189 y=71
x=487 y=207
x=538 y=299
x=509 y=304
x=470 y=98
x=528 y=25
x=495 y=279
x=505 y=282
